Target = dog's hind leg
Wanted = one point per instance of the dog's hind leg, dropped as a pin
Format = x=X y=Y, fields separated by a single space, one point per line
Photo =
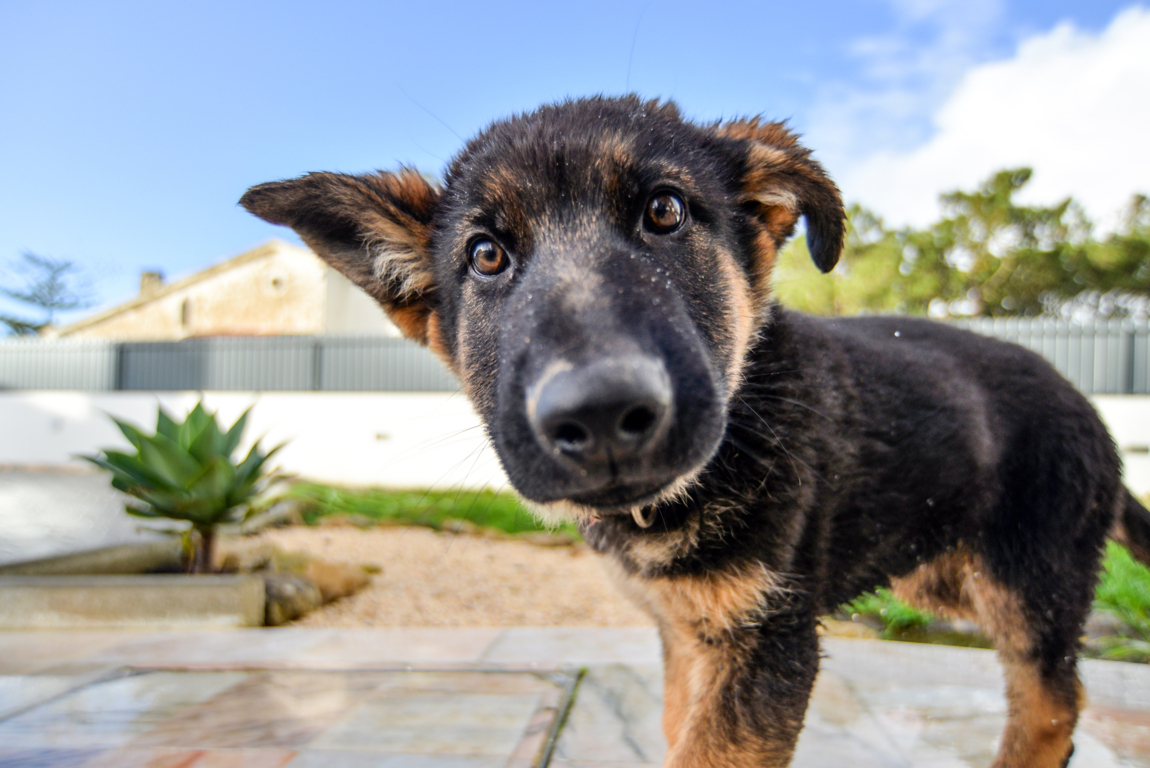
x=1038 y=656
x=1037 y=649
x=1044 y=707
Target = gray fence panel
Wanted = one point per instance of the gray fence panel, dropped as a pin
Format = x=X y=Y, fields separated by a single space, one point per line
x=1104 y=357
x=1110 y=357
x=360 y=364
x=241 y=363
x=87 y=365
x=1140 y=359
x=162 y=365
x=262 y=364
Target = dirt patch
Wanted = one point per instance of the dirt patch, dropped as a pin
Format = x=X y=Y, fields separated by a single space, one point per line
x=436 y=579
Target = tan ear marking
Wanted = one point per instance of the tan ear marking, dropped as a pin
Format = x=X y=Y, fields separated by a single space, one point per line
x=411 y=321
x=374 y=228
x=782 y=178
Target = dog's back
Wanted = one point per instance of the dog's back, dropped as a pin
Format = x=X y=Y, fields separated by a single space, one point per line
x=958 y=437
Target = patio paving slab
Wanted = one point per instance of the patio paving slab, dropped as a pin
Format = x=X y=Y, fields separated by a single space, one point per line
x=274 y=718
x=479 y=698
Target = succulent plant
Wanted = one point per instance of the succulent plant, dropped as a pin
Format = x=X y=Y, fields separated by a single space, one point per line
x=185 y=472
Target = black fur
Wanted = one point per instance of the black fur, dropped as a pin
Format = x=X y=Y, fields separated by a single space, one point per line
x=836 y=454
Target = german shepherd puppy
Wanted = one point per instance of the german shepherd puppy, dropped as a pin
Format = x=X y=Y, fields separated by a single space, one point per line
x=597 y=273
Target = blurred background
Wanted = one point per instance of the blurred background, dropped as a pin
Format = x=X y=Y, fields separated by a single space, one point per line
x=131 y=129
x=993 y=153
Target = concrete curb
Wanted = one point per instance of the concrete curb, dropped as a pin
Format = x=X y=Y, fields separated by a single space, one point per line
x=151 y=601
x=147 y=557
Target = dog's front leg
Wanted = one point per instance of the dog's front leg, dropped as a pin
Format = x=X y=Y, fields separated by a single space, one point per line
x=738 y=699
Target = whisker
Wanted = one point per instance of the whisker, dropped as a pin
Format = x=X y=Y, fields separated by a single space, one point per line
x=782 y=446
x=428 y=111
x=798 y=403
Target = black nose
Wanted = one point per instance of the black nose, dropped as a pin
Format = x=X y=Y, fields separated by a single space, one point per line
x=610 y=410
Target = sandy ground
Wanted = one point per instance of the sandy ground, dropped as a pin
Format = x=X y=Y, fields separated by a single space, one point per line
x=447 y=580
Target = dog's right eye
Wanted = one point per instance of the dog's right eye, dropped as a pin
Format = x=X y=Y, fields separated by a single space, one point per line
x=487 y=258
x=665 y=213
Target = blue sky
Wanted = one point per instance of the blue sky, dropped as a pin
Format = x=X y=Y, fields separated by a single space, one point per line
x=130 y=129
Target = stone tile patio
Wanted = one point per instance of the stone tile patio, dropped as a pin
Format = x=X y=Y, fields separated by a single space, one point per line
x=473 y=698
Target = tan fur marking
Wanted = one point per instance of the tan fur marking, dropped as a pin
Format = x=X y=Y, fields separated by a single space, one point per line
x=781 y=221
x=698 y=616
x=399 y=259
x=654 y=549
x=503 y=191
x=411 y=320
x=1118 y=531
x=957 y=584
x=711 y=605
x=938 y=586
x=1038 y=733
x=783 y=180
x=770 y=178
x=770 y=182
x=678 y=659
x=435 y=340
x=694 y=722
x=753 y=129
x=555 y=513
x=766 y=253
x=698 y=738
x=744 y=310
x=778 y=172
x=398 y=241
x=381 y=237
x=614 y=154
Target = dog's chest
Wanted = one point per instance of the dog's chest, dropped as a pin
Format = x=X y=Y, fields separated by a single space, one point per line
x=709 y=604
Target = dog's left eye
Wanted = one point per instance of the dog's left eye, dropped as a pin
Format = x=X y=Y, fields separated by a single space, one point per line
x=665 y=213
x=487 y=258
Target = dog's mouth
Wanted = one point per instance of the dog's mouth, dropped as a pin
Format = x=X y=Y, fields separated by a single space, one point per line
x=641 y=502
x=619 y=498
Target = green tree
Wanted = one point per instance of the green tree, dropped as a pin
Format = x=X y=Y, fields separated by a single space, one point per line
x=1114 y=273
x=50 y=286
x=987 y=256
x=880 y=271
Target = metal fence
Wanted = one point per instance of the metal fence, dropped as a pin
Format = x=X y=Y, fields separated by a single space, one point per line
x=1106 y=357
x=1109 y=357
x=256 y=363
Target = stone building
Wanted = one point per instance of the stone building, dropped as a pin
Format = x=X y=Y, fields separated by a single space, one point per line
x=275 y=289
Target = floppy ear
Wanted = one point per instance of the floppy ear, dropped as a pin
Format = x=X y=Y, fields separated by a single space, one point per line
x=374 y=228
x=784 y=182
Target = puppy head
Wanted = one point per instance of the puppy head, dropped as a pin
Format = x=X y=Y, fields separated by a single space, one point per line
x=595 y=273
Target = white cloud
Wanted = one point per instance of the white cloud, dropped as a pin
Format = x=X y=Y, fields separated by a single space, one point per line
x=902 y=76
x=1071 y=104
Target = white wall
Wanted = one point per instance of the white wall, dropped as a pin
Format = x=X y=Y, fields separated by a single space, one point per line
x=348 y=310
x=396 y=439
x=1128 y=418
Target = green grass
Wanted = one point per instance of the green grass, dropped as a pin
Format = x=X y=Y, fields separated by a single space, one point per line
x=895 y=616
x=1123 y=590
x=433 y=509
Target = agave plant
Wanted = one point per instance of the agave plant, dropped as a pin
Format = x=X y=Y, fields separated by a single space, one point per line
x=185 y=472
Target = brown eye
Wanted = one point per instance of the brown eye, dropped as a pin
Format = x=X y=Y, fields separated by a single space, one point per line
x=665 y=213
x=487 y=258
